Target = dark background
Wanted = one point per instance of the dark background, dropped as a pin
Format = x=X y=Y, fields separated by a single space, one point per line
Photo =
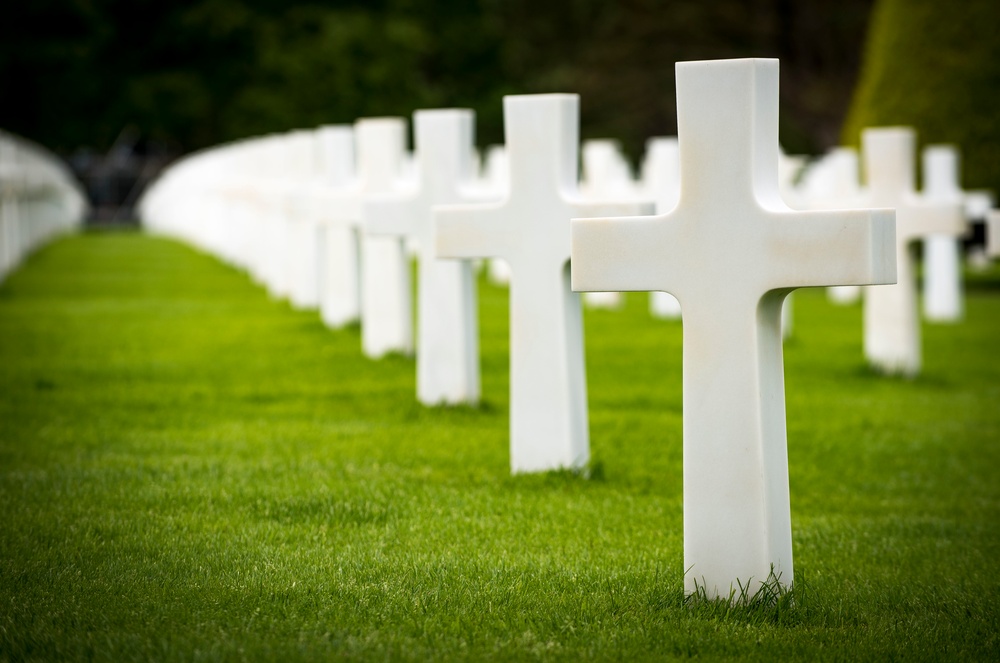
x=123 y=86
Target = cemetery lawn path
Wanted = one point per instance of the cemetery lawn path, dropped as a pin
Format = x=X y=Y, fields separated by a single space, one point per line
x=191 y=471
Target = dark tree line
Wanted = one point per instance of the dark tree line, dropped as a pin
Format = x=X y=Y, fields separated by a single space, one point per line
x=936 y=66
x=189 y=74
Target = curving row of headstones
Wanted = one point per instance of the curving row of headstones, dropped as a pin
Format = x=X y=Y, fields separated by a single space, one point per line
x=714 y=230
x=39 y=200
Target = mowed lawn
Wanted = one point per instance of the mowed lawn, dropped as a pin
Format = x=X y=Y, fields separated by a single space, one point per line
x=192 y=471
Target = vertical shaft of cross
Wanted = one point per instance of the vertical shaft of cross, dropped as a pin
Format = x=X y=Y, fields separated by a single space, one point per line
x=447 y=333
x=340 y=260
x=340 y=290
x=892 y=335
x=706 y=130
x=943 y=296
x=993 y=233
x=734 y=419
x=891 y=313
x=736 y=502
x=386 y=318
x=548 y=386
x=447 y=328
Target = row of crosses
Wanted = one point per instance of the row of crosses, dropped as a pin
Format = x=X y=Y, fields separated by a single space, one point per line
x=729 y=249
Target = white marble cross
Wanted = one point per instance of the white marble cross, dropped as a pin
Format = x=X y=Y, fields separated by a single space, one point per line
x=339 y=217
x=993 y=233
x=606 y=172
x=530 y=230
x=302 y=255
x=978 y=203
x=943 y=297
x=288 y=213
x=661 y=182
x=282 y=174
x=606 y=176
x=495 y=180
x=891 y=316
x=386 y=291
x=447 y=326
x=789 y=169
x=385 y=300
x=731 y=250
x=841 y=189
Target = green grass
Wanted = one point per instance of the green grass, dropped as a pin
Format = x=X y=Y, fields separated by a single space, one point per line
x=190 y=471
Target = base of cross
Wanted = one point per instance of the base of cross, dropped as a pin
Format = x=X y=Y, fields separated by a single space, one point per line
x=774 y=591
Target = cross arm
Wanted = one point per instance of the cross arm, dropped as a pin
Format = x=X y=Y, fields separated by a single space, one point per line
x=922 y=219
x=608 y=209
x=390 y=213
x=623 y=254
x=470 y=231
x=826 y=248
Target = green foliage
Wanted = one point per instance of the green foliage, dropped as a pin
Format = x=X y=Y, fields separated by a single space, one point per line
x=935 y=66
x=200 y=72
x=191 y=471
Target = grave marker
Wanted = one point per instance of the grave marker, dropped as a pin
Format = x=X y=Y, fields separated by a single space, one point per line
x=943 y=300
x=661 y=183
x=606 y=176
x=447 y=328
x=495 y=181
x=844 y=192
x=993 y=233
x=530 y=230
x=384 y=302
x=302 y=227
x=338 y=211
x=386 y=299
x=978 y=204
x=891 y=318
x=731 y=250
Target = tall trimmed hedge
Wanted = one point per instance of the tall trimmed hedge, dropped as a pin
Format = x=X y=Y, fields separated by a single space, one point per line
x=935 y=66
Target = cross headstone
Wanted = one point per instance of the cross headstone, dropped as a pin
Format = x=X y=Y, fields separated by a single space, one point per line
x=530 y=230
x=337 y=208
x=978 y=204
x=840 y=189
x=384 y=302
x=993 y=233
x=256 y=198
x=891 y=318
x=943 y=298
x=731 y=250
x=606 y=176
x=789 y=169
x=10 y=225
x=447 y=329
x=495 y=181
x=661 y=183
x=292 y=160
x=386 y=293
x=303 y=230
